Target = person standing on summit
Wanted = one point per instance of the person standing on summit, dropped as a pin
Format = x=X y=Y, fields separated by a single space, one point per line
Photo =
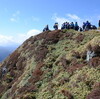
x=99 y=23
x=88 y=25
x=76 y=27
x=46 y=28
x=71 y=25
x=55 y=26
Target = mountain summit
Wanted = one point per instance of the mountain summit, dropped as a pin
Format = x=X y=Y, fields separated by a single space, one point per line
x=53 y=65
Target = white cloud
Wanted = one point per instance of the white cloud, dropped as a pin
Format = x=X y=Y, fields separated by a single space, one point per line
x=60 y=20
x=73 y=16
x=15 y=16
x=69 y=18
x=13 y=20
x=18 y=39
x=23 y=37
x=4 y=39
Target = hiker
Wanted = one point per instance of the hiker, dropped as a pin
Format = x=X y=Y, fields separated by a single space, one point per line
x=88 y=26
x=55 y=26
x=46 y=28
x=71 y=25
x=63 y=26
x=99 y=23
x=68 y=25
x=76 y=27
x=84 y=25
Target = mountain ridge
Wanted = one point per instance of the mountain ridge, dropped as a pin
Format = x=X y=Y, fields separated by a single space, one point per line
x=52 y=65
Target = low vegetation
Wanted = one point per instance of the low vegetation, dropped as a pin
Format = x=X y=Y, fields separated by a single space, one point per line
x=52 y=65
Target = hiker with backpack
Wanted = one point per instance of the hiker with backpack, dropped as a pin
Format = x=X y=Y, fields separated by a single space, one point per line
x=68 y=25
x=71 y=25
x=76 y=27
x=46 y=28
x=88 y=26
x=55 y=26
x=63 y=26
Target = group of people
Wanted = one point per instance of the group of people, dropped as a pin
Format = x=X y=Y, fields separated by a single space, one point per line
x=47 y=27
x=66 y=25
x=87 y=26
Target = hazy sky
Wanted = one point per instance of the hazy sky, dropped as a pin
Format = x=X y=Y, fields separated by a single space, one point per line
x=19 y=19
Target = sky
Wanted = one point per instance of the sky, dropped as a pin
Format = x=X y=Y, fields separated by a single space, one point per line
x=20 y=19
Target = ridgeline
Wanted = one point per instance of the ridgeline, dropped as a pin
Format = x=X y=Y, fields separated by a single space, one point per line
x=52 y=65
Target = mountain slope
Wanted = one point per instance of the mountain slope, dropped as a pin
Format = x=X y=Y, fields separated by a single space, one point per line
x=52 y=65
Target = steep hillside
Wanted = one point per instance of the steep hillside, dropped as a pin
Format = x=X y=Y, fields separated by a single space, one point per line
x=52 y=65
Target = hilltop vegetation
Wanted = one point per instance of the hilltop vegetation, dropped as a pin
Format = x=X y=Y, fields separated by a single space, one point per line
x=52 y=65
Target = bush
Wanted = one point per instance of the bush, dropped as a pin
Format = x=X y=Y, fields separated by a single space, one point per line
x=94 y=62
x=67 y=94
x=76 y=54
x=94 y=94
x=64 y=62
x=83 y=55
x=80 y=38
x=89 y=47
x=96 y=85
x=96 y=49
x=40 y=53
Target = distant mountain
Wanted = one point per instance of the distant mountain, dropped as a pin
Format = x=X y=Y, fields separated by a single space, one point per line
x=5 y=51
